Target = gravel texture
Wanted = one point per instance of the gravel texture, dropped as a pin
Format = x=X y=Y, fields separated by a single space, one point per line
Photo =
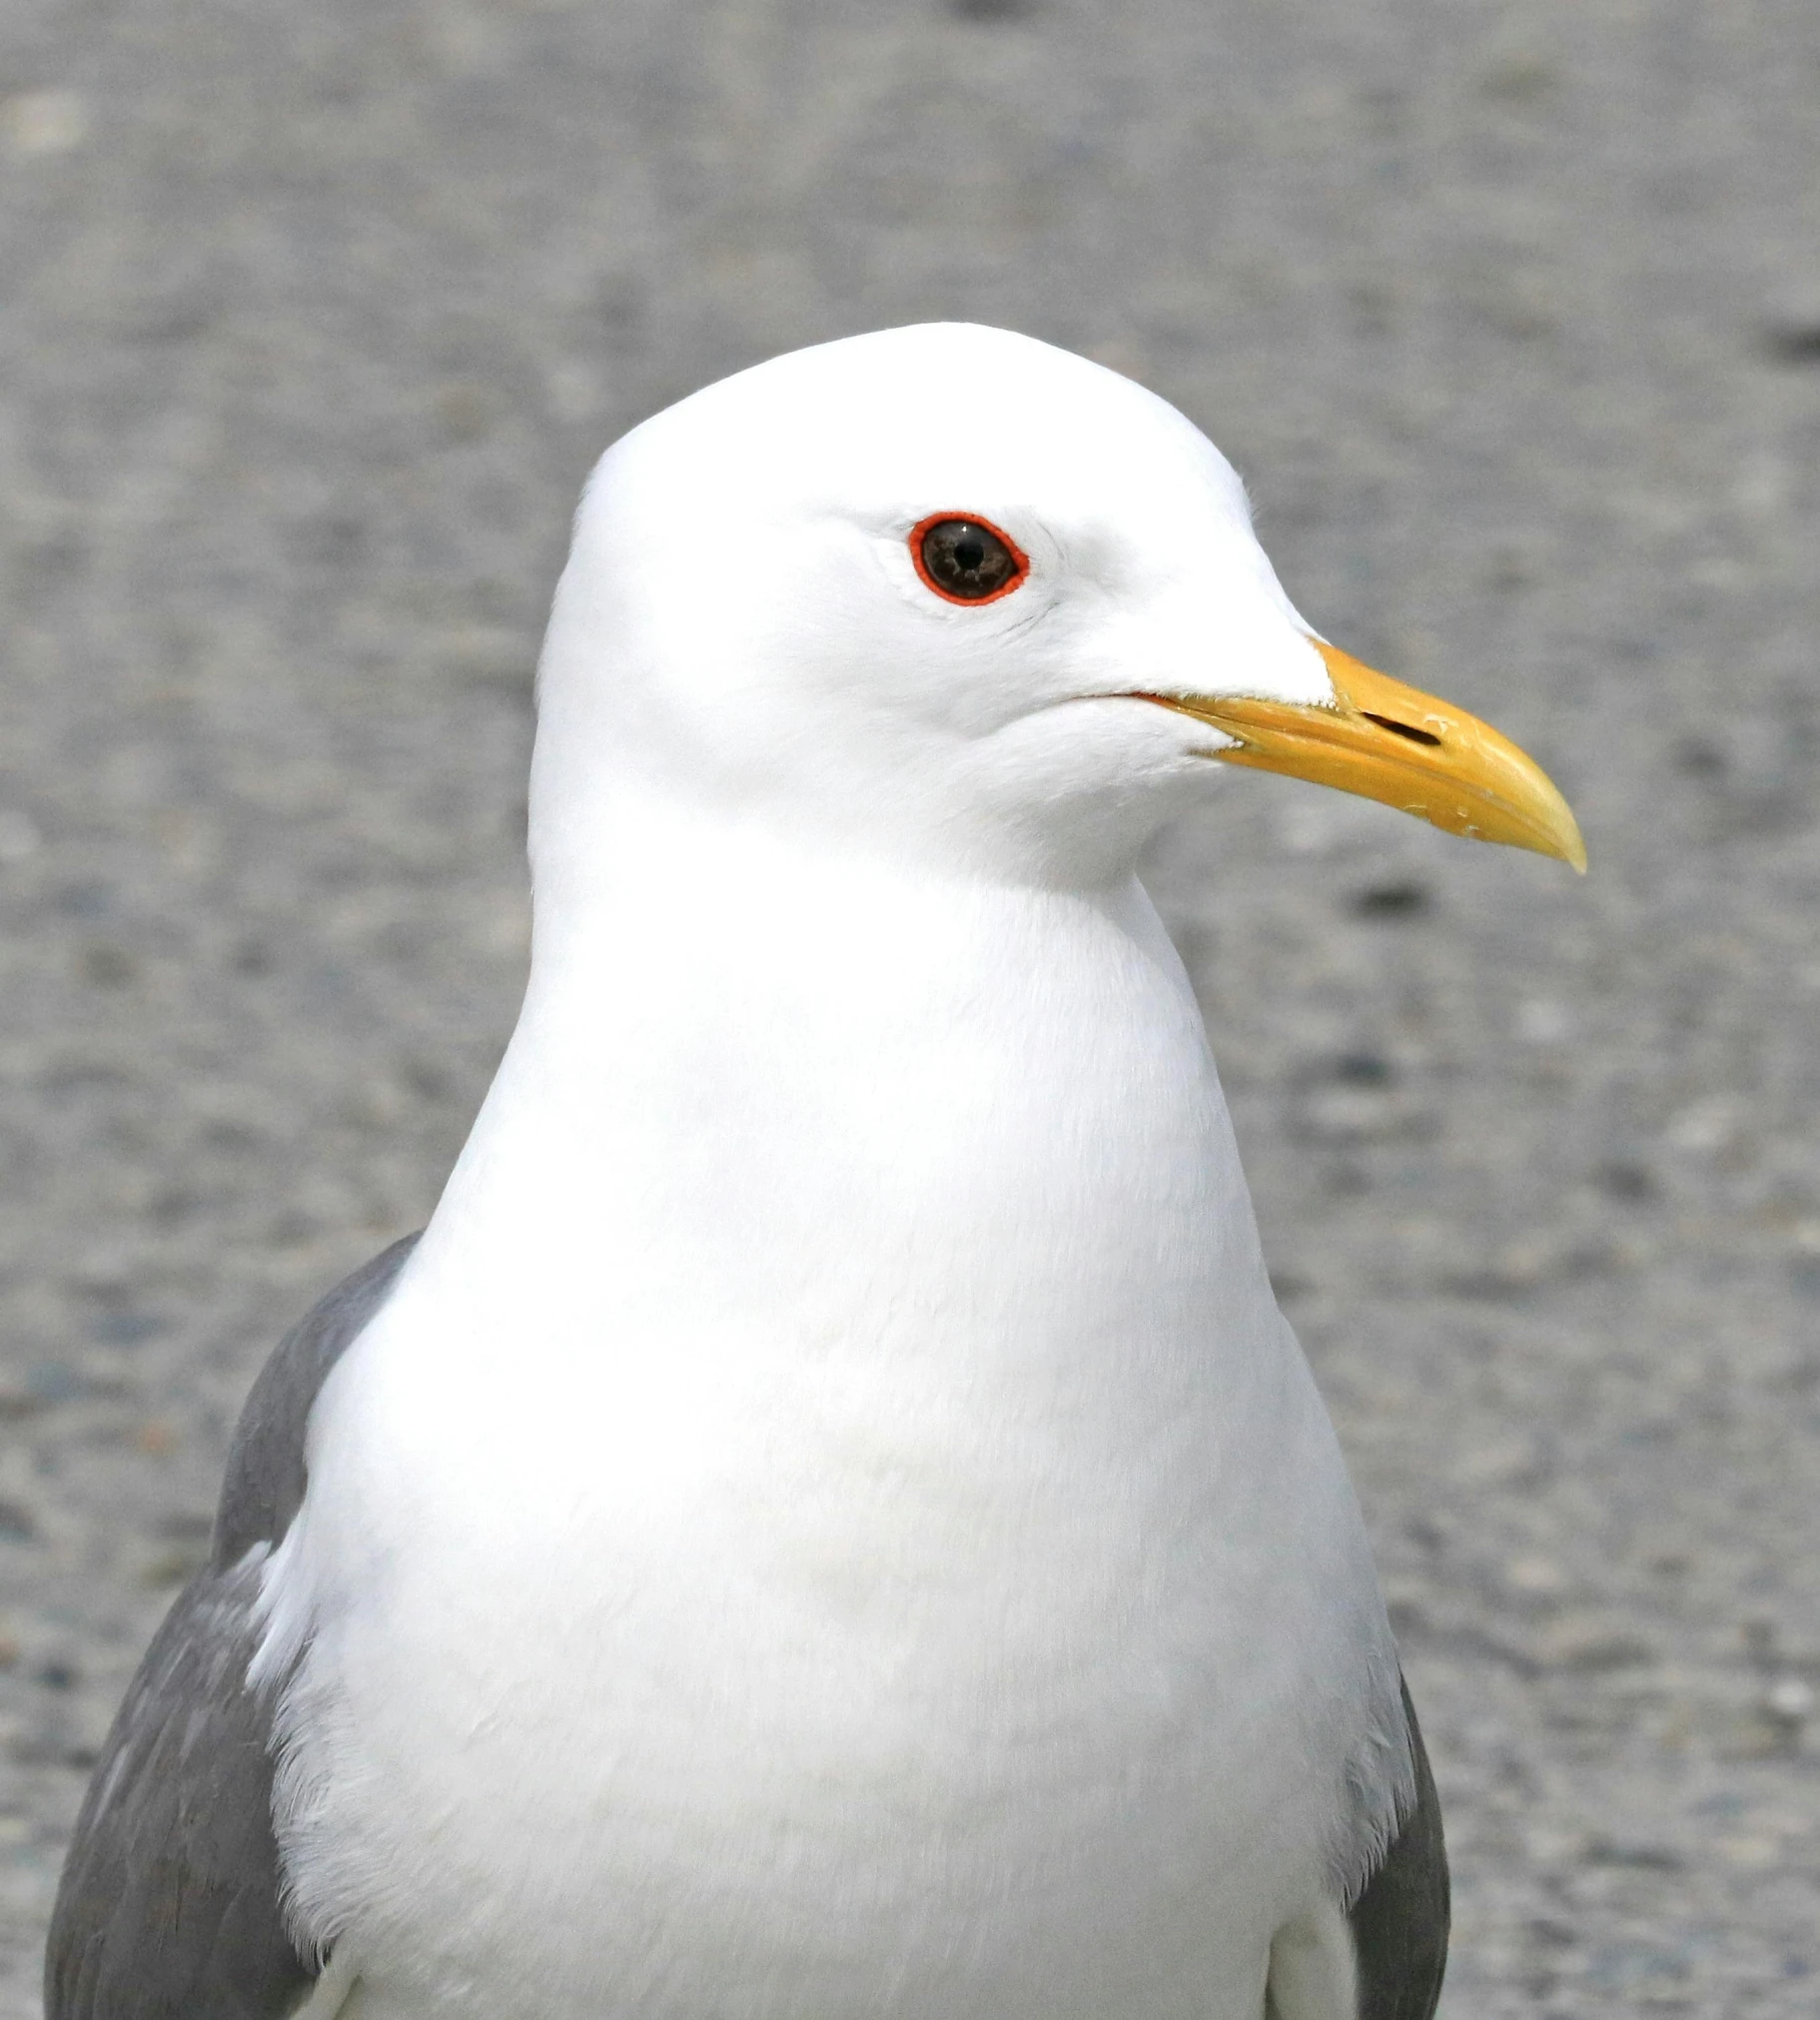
x=315 y=316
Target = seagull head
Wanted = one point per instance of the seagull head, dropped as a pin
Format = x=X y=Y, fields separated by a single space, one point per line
x=950 y=590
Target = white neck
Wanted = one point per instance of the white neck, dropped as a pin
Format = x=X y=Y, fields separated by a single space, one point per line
x=751 y=1080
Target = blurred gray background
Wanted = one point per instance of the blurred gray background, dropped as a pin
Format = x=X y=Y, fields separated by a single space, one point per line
x=313 y=317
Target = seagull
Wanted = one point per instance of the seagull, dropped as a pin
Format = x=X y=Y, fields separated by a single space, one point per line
x=827 y=1520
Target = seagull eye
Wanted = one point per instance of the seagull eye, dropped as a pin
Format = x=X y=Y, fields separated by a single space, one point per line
x=966 y=561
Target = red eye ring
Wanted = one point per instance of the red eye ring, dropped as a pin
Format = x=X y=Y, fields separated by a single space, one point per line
x=972 y=584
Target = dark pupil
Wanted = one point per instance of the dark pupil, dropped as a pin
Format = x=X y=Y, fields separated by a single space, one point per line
x=967 y=559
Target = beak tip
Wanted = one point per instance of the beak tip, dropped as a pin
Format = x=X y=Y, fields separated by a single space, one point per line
x=1570 y=843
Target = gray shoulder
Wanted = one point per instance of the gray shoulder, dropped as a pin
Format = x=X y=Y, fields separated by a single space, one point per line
x=1400 y=1919
x=169 y=1906
x=264 y=1484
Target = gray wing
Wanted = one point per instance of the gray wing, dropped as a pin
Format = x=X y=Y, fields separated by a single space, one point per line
x=170 y=1903
x=1401 y=1918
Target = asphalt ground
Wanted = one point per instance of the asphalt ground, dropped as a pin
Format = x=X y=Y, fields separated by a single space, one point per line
x=311 y=320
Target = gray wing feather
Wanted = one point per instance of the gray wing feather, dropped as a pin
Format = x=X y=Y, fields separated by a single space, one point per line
x=264 y=1484
x=170 y=1908
x=1401 y=1918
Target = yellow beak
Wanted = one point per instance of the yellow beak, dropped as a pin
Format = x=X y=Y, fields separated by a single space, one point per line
x=1393 y=743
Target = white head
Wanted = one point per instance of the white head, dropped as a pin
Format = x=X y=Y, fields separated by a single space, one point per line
x=750 y=620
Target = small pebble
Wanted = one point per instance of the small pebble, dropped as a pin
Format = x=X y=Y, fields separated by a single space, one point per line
x=39 y=123
x=1789 y=1698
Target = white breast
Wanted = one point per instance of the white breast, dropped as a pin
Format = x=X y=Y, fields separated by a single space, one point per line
x=831 y=1520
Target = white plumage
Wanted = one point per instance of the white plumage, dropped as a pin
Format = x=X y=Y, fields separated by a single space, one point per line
x=831 y=1521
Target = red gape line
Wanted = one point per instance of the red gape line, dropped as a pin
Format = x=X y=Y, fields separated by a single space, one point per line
x=920 y=532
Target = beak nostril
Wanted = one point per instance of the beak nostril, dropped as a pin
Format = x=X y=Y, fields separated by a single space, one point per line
x=1403 y=729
